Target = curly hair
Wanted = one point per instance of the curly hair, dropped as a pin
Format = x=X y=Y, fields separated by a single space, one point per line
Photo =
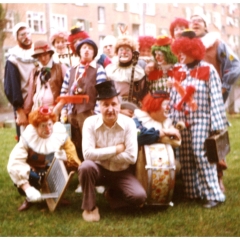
x=192 y=47
x=180 y=22
x=126 y=41
x=58 y=34
x=41 y=114
x=75 y=36
x=166 y=50
x=146 y=41
x=151 y=104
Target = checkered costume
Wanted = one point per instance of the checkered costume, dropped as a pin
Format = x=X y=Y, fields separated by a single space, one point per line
x=199 y=176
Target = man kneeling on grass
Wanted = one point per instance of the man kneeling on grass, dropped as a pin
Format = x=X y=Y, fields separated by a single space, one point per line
x=109 y=148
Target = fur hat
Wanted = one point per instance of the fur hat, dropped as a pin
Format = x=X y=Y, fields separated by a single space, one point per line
x=58 y=34
x=106 y=90
x=76 y=33
x=109 y=40
x=163 y=44
x=41 y=46
x=90 y=42
x=189 y=44
x=17 y=27
x=146 y=41
x=178 y=22
x=125 y=40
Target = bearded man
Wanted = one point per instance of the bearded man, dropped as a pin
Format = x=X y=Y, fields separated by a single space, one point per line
x=18 y=67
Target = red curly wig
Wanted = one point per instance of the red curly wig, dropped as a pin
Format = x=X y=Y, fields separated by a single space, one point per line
x=76 y=34
x=178 y=22
x=146 y=41
x=153 y=102
x=42 y=114
x=190 y=45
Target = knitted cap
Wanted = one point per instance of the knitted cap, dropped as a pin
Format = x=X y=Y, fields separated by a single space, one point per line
x=90 y=42
x=17 y=27
x=41 y=46
x=109 y=40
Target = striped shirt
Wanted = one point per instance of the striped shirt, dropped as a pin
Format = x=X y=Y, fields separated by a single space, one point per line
x=100 y=77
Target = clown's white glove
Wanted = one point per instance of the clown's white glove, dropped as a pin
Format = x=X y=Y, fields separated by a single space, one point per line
x=33 y=195
x=61 y=155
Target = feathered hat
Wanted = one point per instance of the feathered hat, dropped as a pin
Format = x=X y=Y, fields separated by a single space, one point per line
x=178 y=22
x=163 y=44
x=125 y=40
x=76 y=34
x=189 y=44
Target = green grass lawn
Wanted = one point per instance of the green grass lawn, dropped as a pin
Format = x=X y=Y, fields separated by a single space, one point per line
x=184 y=219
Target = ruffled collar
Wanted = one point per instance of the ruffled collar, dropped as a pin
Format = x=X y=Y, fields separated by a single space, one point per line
x=23 y=55
x=148 y=122
x=42 y=145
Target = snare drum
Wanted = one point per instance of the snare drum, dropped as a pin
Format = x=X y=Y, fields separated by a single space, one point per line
x=155 y=169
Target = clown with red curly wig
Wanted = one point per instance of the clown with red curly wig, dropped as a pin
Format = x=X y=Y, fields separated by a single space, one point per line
x=199 y=177
x=42 y=140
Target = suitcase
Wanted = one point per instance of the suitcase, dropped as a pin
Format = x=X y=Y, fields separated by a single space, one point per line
x=217 y=146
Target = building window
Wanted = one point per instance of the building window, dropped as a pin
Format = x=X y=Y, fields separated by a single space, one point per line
x=217 y=20
x=120 y=7
x=135 y=8
x=36 y=21
x=101 y=15
x=163 y=31
x=81 y=24
x=135 y=30
x=175 y=5
x=59 y=22
x=10 y=21
x=150 y=29
x=150 y=9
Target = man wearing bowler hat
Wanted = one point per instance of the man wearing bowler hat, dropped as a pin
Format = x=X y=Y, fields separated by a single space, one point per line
x=109 y=147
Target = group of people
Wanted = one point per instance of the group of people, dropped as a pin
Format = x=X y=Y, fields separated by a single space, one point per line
x=138 y=93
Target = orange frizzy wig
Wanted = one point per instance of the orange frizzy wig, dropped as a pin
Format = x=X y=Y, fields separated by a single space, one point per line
x=178 y=22
x=153 y=102
x=192 y=47
x=42 y=114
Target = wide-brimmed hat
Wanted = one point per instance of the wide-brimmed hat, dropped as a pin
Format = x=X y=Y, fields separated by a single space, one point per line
x=40 y=47
x=106 y=90
x=90 y=42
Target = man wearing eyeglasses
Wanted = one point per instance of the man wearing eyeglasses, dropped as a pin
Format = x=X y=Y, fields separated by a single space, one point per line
x=223 y=59
x=19 y=65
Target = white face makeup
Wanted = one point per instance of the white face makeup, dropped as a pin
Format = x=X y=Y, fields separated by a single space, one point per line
x=160 y=58
x=125 y=54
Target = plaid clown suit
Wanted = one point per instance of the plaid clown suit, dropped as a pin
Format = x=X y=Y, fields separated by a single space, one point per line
x=199 y=176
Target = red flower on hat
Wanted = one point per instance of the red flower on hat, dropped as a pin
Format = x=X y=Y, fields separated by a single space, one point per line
x=44 y=48
x=163 y=41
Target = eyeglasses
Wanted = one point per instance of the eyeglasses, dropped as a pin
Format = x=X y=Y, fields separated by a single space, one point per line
x=196 y=20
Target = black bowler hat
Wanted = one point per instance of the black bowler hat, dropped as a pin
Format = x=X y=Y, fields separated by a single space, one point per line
x=106 y=90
